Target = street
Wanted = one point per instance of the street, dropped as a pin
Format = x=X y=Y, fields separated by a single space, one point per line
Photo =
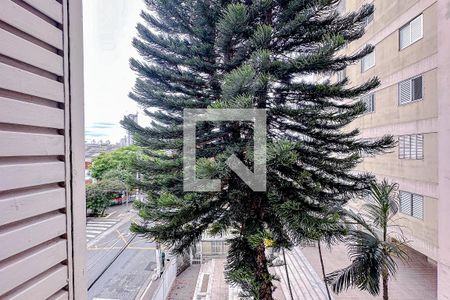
x=129 y=271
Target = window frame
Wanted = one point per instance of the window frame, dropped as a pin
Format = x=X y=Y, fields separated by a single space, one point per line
x=366 y=98
x=410 y=197
x=411 y=86
x=408 y=25
x=416 y=151
x=374 y=61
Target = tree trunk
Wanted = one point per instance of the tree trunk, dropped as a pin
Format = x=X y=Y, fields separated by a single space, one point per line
x=385 y=276
x=262 y=274
x=323 y=270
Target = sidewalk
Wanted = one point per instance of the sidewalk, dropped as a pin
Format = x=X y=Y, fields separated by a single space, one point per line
x=184 y=286
x=416 y=280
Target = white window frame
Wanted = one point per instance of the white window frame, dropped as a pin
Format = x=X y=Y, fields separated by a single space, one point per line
x=411 y=90
x=364 y=67
x=407 y=28
x=415 y=204
x=411 y=147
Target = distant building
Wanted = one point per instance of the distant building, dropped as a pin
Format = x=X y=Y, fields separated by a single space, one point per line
x=129 y=136
x=93 y=148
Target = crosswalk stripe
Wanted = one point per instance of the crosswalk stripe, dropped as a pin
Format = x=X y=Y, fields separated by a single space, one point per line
x=101 y=223
x=98 y=226
x=95 y=229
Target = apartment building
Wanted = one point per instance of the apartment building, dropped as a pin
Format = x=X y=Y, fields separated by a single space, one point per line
x=412 y=60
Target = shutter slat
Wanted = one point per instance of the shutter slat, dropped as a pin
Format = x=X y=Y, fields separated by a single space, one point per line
x=30 y=53
x=21 y=81
x=22 y=19
x=31 y=203
x=61 y=295
x=50 y=8
x=30 y=144
x=43 y=286
x=30 y=114
x=15 y=176
x=48 y=227
x=28 y=265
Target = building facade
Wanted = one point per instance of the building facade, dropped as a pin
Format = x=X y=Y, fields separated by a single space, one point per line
x=411 y=59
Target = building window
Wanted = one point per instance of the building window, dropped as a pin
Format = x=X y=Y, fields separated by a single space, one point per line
x=216 y=247
x=368 y=61
x=369 y=101
x=410 y=90
x=341 y=75
x=411 y=204
x=368 y=20
x=411 y=32
x=410 y=146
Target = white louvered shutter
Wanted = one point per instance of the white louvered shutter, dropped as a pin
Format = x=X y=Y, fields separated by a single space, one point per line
x=416 y=29
x=417 y=204
x=401 y=147
x=405 y=91
x=36 y=233
x=413 y=140
x=407 y=147
x=419 y=141
x=405 y=203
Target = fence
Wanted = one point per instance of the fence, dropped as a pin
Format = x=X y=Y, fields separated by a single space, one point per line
x=166 y=281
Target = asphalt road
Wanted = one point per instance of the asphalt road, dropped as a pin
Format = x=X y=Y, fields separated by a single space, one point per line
x=130 y=271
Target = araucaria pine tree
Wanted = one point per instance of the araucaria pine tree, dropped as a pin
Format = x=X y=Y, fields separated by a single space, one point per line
x=263 y=54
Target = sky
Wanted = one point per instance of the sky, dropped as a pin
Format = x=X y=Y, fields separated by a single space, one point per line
x=109 y=27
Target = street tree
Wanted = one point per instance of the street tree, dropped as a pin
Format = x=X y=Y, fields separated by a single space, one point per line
x=121 y=159
x=249 y=55
x=374 y=241
x=100 y=194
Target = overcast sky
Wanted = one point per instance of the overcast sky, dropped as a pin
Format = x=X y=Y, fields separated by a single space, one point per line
x=109 y=26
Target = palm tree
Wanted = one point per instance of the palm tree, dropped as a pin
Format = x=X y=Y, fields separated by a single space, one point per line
x=371 y=243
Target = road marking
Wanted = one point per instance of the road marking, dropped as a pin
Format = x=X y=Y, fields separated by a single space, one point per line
x=117 y=248
x=101 y=223
x=121 y=236
x=142 y=248
x=97 y=227
x=107 y=217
